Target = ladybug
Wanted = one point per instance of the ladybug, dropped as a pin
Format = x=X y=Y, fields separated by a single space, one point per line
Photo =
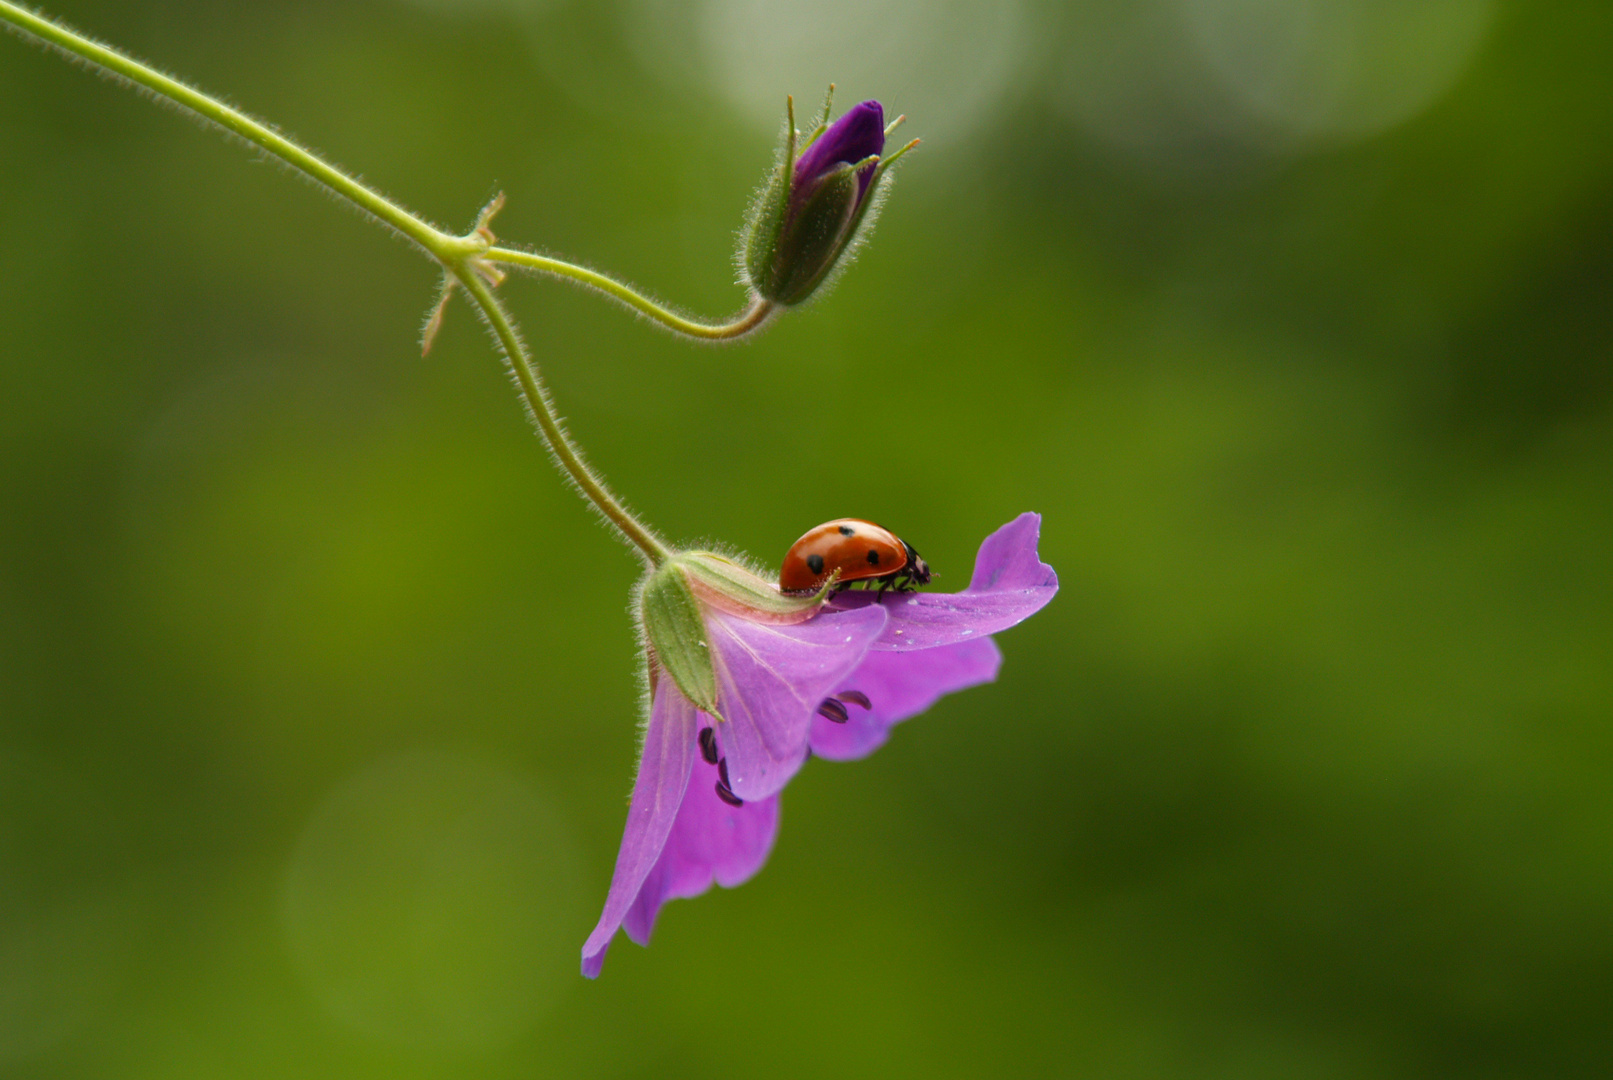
x=860 y=550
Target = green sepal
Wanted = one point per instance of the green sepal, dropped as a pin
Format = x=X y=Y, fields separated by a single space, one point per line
x=766 y=224
x=811 y=240
x=821 y=124
x=722 y=583
x=876 y=195
x=770 y=212
x=677 y=635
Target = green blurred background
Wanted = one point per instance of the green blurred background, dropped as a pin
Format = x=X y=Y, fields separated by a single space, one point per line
x=317 y=689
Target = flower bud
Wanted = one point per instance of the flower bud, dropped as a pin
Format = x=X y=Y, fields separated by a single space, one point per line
x=815 y=206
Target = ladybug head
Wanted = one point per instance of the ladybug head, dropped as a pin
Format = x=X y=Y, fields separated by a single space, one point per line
x=916 y=569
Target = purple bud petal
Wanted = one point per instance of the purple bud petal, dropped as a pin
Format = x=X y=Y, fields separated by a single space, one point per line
x=855 y=136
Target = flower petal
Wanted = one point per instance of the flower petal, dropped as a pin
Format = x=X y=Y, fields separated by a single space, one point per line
x=1010 y=584
x=1007 y=558
x=711 y=841
x=664 y=764
x=770 y=679
x=899 y=685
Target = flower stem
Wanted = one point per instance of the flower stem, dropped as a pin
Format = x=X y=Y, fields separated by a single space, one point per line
x=752 y=318
x=653 y=550
x=435 y=241
x=468 y=258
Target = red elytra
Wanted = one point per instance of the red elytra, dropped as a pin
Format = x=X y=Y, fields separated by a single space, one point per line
x=860 y=550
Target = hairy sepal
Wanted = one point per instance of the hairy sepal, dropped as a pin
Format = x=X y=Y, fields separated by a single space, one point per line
x=677 y=637
x=769 y=212
x=724 y=584
x=767 y=222
x=812 y=239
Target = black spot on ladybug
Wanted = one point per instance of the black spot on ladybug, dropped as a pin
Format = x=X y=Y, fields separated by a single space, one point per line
x=873 y=557
x=815 y=563
x=847 y=530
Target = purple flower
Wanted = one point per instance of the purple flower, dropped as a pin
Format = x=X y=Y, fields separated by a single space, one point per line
x=705 y=803
x=816 y=206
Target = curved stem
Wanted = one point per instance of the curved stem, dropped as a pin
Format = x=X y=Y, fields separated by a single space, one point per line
x=444 y=246
x=752 y=318
x=237 y=123
x=463 y=256
x=653 y=550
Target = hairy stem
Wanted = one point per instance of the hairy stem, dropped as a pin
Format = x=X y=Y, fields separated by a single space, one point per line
x=443 y=246
x=752 y=318
x=653 y=550
x=468 y=258
x=434 y=240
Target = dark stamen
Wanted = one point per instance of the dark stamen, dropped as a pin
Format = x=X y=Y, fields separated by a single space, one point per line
x=728 y=796
x=722 y=774
x=708 y=745
x=856 y=697
x=830 y=709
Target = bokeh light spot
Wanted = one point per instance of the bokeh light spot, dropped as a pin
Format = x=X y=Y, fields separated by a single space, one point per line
x=1339 y=68
x=1207 y=82
x=946 y=64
